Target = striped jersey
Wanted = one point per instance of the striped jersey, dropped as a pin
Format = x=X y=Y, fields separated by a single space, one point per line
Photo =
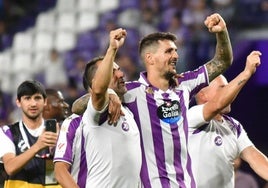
x=161 y=118
x=213 y=148
x=101 y=155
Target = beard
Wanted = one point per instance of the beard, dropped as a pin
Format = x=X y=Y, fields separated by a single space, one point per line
x=31 y=116
x=170 y=76
x=120 y=91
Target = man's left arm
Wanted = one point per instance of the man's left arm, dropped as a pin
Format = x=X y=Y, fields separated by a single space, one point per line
x=256 y=160
x=223 y=57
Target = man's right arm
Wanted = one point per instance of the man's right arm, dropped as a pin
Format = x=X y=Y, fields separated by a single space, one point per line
x=63 y=175
x=228 y=93
x=64 y=151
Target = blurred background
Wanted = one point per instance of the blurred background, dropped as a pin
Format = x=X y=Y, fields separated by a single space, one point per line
x=51 y=41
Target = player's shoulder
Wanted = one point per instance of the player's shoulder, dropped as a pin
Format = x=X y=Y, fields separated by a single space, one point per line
x=130 y=85
x=71 y=120
x=7 y=128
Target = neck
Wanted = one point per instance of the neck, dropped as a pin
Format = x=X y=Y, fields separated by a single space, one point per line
x=32 y=123
x=158 y=82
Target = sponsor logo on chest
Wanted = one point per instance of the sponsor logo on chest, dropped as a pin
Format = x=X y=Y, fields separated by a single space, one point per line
x=169 y=112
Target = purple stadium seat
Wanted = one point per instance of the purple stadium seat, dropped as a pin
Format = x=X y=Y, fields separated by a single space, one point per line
x=126 y=4
x=87 y=41
x=107 y=16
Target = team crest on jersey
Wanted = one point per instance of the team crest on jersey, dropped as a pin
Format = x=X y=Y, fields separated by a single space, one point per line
x=125 y=126
x=218 y=140
x=149 y=90
x=169 y=112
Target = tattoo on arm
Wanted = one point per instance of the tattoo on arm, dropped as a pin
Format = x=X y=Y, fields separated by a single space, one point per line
x=215 y=68
x=84 y=101
x=223 y=57
x=80 y=105
x=241 y=82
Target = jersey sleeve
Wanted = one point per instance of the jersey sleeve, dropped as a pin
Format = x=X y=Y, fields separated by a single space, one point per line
x=243 y=139
x=194 y=80
x=93 y=115
x=195 y=117
x=66 y=140
x=6 y=144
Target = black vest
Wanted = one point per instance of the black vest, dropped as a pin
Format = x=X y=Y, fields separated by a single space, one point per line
x=34 y=170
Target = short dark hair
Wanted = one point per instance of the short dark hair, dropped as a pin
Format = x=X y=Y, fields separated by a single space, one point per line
x=30 y=87
x=90 y=71
x=153 y=38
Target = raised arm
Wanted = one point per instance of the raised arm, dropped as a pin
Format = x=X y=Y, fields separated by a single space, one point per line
x=228 y=93
x=223 y=57
x=104 y=72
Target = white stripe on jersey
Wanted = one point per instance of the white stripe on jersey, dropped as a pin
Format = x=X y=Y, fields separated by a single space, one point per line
x=161 y=117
